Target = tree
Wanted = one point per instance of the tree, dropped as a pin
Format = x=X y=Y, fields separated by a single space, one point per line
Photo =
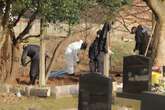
x=158 y=54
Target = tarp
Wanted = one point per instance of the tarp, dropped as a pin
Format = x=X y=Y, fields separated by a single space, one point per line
x=55 y=74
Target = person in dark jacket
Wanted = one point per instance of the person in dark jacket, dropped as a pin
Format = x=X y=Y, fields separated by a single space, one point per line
x=141 y=39
x=31 y=51
x=103 y=37
x=98 y=49
x=102 y=49
x=93 y=53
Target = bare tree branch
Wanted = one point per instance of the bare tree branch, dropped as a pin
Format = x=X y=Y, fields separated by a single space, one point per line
x=28 y=27
x=52 y=59
x=12 y=35
x=125 y=26
x=124 y=23
x=137 y=5
x=19 y=16
x=141 y=18
x=29 y=36
x=151 y=7
x=137 y=13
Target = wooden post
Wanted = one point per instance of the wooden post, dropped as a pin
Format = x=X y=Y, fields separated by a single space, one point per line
x=42 y=81
x=106 y=57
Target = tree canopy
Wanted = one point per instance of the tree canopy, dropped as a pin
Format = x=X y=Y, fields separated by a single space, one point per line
x=57 y=10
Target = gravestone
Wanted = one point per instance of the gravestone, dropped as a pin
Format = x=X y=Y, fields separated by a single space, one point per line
x=163 y=70
x=95 y=92
x=136 y=74
x=153 y=101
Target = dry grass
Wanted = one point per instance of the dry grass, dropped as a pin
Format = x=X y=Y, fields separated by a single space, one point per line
x=120 y=49
x=34 y=103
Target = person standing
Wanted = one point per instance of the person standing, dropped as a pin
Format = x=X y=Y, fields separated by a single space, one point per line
x=141 y=39
x=102 y=49
x=93 y=54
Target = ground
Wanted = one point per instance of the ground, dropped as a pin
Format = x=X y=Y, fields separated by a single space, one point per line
x=12 y=102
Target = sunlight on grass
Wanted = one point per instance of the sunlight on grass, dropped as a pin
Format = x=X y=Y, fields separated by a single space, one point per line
x=120 y=49
x=42 y=104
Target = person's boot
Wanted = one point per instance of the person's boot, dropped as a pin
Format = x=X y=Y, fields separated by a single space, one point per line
x=32 y=81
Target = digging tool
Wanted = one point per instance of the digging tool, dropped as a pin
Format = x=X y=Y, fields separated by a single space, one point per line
x=150 y=39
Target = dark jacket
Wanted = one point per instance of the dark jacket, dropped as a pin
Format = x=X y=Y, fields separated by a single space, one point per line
x=141 y=38
x=31 y=51
x=139 y=35
x=103 y=37
x=93 y=49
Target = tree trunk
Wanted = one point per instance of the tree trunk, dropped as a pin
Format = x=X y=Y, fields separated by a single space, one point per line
x=5 y=58
x=15 y=64
x=159 y=44
x=158 y=52
x=9 y=49
x=2 y=37
x=9 y=60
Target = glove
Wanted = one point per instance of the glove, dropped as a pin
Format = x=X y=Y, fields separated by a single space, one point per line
x=105 y=50
x=110 y=52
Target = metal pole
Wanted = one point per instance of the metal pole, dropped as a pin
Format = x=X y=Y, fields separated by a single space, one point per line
x=42 y=81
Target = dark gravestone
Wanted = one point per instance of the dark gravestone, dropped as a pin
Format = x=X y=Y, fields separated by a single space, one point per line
x=151 y=101
x=95 y=92
x=136 y=74
x=163 y=70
